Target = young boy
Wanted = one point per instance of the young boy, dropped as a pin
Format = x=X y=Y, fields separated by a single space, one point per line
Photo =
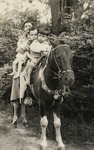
x=41 y=45
x=22 y=53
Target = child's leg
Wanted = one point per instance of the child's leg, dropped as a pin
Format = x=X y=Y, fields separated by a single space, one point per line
x=14 y=66
x=19 y=69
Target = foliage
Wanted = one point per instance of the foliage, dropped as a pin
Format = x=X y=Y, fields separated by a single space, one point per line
x=77 y=32
x=10 y=23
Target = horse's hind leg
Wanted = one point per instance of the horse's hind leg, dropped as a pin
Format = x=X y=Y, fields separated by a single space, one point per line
x=57 y=124
x=44 y=123
x=15 y=105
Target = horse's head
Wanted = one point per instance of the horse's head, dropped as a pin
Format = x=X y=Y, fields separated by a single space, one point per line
x=63 y=59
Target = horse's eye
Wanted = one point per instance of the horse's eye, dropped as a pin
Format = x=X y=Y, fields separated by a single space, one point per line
x=58 y=57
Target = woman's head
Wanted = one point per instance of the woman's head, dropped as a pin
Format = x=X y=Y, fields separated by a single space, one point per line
x=27 y=26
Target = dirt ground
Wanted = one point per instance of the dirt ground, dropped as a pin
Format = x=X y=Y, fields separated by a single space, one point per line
x=26 y=138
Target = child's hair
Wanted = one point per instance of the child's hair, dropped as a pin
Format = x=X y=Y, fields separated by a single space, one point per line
x=21 y=33
x=33 y=26
x=46 y=30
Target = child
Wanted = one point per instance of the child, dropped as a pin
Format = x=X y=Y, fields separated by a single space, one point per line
x=38 y=46
x=22 y=53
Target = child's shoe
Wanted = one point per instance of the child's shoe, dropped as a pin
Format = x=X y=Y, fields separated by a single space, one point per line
x=11 y=74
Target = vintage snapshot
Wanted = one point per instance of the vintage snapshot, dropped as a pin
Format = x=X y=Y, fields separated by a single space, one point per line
x=46 y=74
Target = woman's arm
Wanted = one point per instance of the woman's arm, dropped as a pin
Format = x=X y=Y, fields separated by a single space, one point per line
x=28 y=54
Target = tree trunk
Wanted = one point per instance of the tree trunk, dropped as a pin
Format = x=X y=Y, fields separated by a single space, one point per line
x=56 y=10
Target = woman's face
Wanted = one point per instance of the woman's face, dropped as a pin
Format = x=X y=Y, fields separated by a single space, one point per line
x=27 y=27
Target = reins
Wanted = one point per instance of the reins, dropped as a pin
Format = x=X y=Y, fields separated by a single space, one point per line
x=56 y=93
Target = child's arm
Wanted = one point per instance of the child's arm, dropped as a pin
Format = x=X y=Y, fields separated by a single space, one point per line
x=47 y=49
x=27 y=46
x=19 y=50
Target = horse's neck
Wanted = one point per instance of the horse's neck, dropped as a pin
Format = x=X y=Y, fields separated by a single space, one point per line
x=49 y=73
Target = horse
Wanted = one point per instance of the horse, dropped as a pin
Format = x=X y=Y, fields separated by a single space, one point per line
x=49 y=82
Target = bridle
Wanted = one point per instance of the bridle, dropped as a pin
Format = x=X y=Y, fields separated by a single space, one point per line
x=56 y=93
x=60 y=72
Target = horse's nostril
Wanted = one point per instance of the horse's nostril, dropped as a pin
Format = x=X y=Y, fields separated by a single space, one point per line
x=66 y=79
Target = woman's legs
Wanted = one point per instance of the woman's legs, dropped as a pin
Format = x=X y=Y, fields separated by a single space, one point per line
x=30 y=68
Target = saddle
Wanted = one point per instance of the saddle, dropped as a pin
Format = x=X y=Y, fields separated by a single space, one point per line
x=39 y=64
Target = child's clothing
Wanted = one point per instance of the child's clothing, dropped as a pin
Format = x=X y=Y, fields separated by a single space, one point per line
x=21 y=50
x=35 y=50
x=20 y=57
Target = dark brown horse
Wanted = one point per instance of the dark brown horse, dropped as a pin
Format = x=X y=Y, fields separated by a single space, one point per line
x=49 y=82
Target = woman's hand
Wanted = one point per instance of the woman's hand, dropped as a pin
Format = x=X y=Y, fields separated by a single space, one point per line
x=19 y=50
x=27 y=47
x=44 y=53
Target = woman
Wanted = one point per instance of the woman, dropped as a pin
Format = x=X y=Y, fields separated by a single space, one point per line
x=18 y=85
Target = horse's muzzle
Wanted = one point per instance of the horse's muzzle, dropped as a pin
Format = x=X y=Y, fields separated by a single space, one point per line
x=68 y=78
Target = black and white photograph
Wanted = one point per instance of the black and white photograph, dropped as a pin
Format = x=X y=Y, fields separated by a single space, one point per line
x=46 y=74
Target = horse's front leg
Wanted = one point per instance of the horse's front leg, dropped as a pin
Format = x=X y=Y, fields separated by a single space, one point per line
x=57 y=124
x=15 y=106
x=44 y=123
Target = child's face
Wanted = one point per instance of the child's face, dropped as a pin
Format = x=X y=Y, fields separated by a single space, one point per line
x=33 y=35
x=21 y=38
x=42 y=38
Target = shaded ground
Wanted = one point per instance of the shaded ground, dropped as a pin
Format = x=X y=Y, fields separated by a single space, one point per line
x=22 y=138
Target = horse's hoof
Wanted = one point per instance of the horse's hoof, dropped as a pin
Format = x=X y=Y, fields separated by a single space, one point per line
x=14 y=123
x=25 y=124
x=62 y=148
